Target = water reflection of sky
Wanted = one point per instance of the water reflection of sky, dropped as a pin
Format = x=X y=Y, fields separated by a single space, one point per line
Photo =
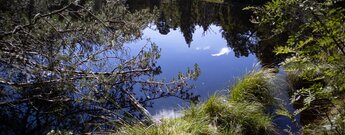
x=219 y=66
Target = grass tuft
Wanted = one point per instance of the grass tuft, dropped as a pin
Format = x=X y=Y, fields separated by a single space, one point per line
x=252 y=88
x=237 y=118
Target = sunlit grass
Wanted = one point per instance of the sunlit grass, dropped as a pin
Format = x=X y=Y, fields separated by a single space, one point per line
x=241 y=113
x=198 y=124
x=216 y=116
x=253 y=87
x=236 y=117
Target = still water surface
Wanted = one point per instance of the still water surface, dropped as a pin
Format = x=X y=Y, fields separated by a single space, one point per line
x=209 y=48
x=219 y=38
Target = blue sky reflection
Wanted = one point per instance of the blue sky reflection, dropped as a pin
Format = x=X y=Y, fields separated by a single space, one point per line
x=219 y=67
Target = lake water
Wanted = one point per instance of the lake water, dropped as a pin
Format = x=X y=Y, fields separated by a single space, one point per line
x=216 y=36
x=72 y=73
x=219 y=66
x=219 y=37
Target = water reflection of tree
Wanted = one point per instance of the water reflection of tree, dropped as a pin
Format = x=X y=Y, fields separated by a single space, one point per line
x=237 y=30
x=187 y=17
x=63 y=66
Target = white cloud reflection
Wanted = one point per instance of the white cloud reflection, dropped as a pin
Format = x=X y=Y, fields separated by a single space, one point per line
x=223 y=51
x=167 y=114
x=204 y=48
